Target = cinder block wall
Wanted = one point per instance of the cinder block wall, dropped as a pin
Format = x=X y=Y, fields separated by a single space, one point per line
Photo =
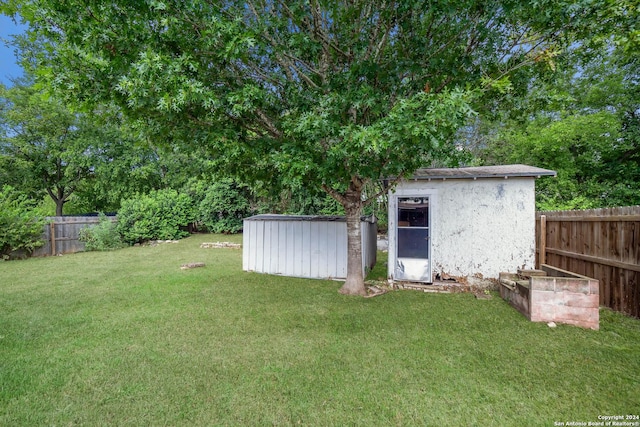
x=560 y=296
x=571 y=300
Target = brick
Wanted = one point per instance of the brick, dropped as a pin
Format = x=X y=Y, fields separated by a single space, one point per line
x=594 y=287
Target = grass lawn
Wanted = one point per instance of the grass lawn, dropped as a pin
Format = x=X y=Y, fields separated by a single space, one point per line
x=127 y=338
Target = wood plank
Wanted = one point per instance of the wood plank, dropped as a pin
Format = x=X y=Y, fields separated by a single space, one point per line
x=66 y=239
x=595 y=259
x=52 y=236
x=582 y=218
x=542 y=257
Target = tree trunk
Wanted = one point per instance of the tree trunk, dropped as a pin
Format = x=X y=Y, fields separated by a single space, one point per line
x=354 y=284
x=58 y=198
x=59 y=206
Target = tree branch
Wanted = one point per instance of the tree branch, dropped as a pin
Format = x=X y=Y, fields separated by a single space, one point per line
x=335 y=194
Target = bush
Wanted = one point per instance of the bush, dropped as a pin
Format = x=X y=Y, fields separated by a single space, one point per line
x=224 y=207
x=21 y=225
x=160 y=215
x=101 y=237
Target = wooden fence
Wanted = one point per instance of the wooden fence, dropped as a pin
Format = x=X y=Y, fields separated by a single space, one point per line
x=61 y=234
x=599 y=243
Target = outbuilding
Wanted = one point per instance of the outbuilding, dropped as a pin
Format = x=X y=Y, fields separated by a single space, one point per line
x=303 y=245
x=468 y=223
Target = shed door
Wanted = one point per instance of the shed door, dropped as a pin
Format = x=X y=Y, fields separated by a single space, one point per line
x=413 y=243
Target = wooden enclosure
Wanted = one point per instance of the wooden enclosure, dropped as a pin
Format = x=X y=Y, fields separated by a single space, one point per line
x=600 y=243
x=61 y=234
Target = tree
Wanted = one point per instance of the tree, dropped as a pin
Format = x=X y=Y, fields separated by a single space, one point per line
x=92 y=157
x=49 y=141
x=580 y=147
x=583 y=124
x=336 y=95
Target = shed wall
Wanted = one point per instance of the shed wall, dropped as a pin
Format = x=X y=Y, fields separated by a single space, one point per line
x=479 y=227
x=311 y=249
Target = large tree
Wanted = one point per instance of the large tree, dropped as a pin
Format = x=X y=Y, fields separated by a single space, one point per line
x=49 y=150
x=45 y=140
x=585 y=124
x=336 y=95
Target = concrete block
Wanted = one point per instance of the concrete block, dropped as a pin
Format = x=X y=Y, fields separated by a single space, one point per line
x=545 y=297
x=581 y=300
x=542 y=313
x=543 y=283
x=523 y=290
x=576 y=314
x=572 y=285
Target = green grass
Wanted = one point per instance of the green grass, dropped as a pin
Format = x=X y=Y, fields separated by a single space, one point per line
x=127 y=338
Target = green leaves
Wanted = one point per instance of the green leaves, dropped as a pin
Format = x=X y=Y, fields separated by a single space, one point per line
x=588 y=153
x=101 y=237
x=51 y=140
x=331 y=95
x=224 y=207
x=21 y=225
x=418 y=124
x=162 y=214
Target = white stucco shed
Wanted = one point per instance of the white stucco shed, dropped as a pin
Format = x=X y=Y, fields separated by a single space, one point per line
x=469 y=223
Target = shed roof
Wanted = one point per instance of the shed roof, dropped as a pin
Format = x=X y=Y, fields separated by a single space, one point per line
x=500 y=171
x=279 y=217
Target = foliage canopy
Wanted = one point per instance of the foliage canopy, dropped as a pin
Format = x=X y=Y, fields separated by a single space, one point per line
x=336 y=95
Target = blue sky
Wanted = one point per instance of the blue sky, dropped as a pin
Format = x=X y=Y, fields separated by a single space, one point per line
x=8 y=67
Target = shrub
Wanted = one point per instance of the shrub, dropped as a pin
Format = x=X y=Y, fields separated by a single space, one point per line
x=159 y=215
x=21 y=225
x=224 y=207
x=101 y=237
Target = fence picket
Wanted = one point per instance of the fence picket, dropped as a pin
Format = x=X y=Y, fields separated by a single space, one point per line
x=600 y=243
x=61 y=234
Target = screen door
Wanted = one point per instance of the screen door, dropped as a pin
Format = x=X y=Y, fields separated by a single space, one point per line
x=413 y=247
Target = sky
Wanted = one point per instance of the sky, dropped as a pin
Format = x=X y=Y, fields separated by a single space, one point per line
x=8 y=67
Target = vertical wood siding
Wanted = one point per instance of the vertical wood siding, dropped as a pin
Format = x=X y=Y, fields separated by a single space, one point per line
x=600 y=243
x=61 y=234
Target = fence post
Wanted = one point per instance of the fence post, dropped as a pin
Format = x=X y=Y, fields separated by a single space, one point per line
x=542 y=257
x=52 y=234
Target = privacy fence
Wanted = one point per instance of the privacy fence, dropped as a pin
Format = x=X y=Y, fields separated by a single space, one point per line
x=61 y=234
x=600 y=243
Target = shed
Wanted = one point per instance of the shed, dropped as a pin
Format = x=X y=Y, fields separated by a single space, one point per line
x=303 y=245
x=463 y=223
